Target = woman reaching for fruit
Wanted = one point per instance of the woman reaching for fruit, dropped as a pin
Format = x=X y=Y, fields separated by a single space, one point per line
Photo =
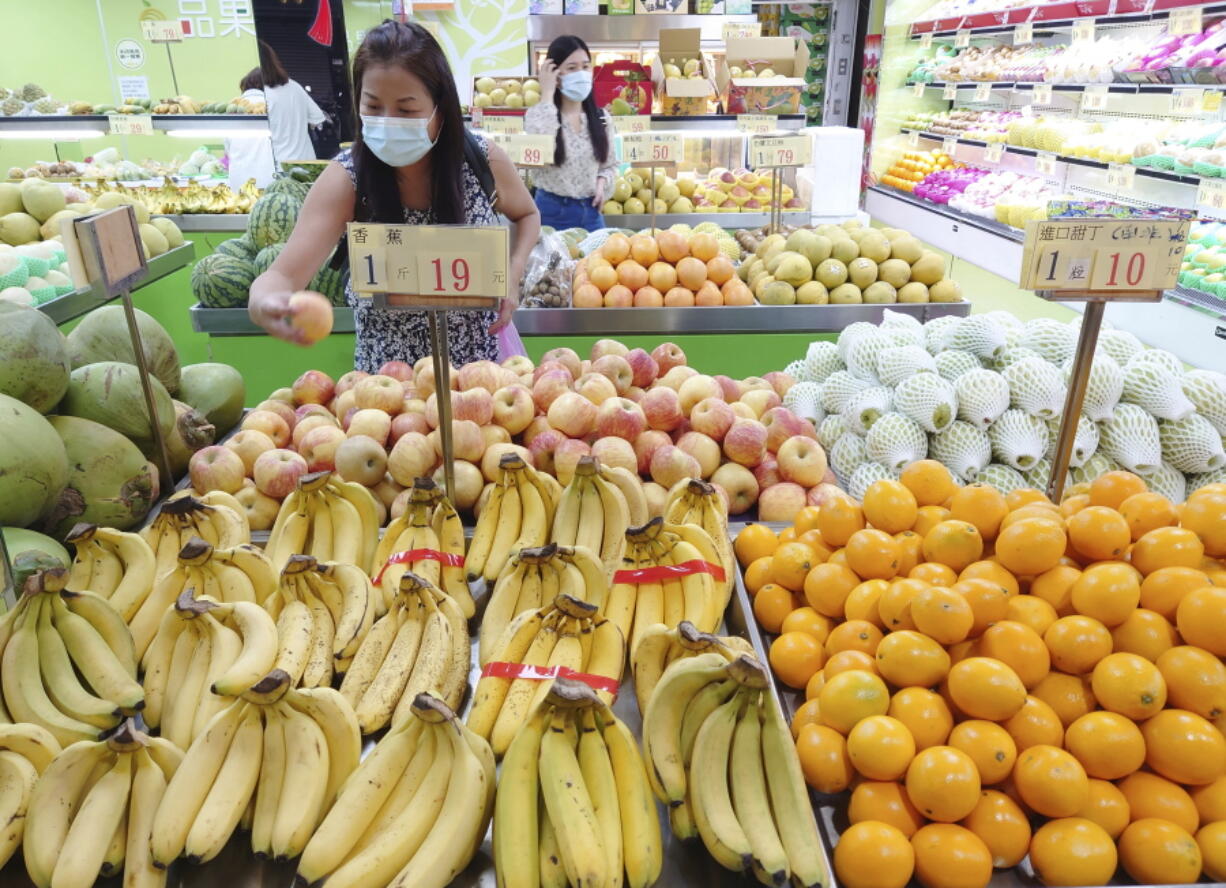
x=570 y=192
x=413 y=162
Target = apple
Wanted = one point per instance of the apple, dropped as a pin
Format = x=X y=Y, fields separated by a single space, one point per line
x=766 y=473
x=802 y=460
x=713 y=417
x=704 y=450
x=643 y=367
x=283 y=410
x=387 y=490
x=602 y=347
x=617 y=370
x=681 y=429
x=662 y=409
x=467 y=442
x=379 y=393
x=824 y=493
x=513 y=408
x=620 y=418
x=519 y=364
x=348 y=417
x=635 y=394
x=595 y=387
x=277 y=472
x=313 y=387
x=739 y=484
x=546 y=366
x=731 y=389
x=645 y=446
x=539 y=424
x=304 y=410
x=480 y=374
x=348 y=381
x=495 y=435
x=468 y=483
x=397 y=370
x=657 y=499
x=613 y=451
x=343 y=403
x=413 y=457
x=542 y=448
x=319 y=448
x=743 y=411
x=566 y=457
x=567 y=358
x=475 y=404
x=745 y=442
x=271 y=424
x=372 y=423
x=400 y=504
x=674 y=377
x=249 y=444
x=495 y=452
x=361 y=459
x=573 y=414
x=781 y=424
x=309 y=317
x=761 y=400
x=284 y=395
x=403 y=423
x=261 y=510
x=380 y=513
x=670 y=464
x=311 y=422
x=216 y=468
x=668 y=355
x=551 y=385
x=698 y=388
x=755 y=383
x=414 y=405
x=779 y=381
x=781 y=502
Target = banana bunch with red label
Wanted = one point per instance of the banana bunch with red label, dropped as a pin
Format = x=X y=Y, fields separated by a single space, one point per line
x=593 y=513
x=660 y=645
x=112 y=563
x=327 y=518
x=694 y=501
x=518 y=515
x=215 y=517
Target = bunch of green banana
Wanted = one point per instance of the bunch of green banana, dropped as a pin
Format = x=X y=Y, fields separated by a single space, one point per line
x=518 y=515
x=574 y=804
x=215 y=517
x=92 y=811
x=420 y=645
x=532 y=579
x=115 y=564
x=329 y=519
x=275 y=758
x=25 y=752
x=323 y=611
x=660 y=645
x=697 y=502
x=204 y=654
x=566 y=634
x=720 y=755
x=593 y=513
x=67 y=664
x=415 y=811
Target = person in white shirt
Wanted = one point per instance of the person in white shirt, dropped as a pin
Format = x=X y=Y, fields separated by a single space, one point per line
x=250 y=157
x=291 y=110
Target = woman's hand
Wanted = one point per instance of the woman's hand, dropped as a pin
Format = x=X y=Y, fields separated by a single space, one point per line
x=548 y=77
x=506 y=308
x=272 y=312
x=598 y=199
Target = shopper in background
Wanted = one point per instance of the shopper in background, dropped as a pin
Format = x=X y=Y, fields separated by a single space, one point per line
x=571 y=191
x=291 y=110
x=411 y=162
x=250 y=157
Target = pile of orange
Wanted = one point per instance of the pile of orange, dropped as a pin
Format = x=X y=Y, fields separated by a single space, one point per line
x=913 y=166
x=975 y=665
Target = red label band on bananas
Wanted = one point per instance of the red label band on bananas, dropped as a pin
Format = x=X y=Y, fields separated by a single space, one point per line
x=669 y=572
x=406 y=557
x=499 y=669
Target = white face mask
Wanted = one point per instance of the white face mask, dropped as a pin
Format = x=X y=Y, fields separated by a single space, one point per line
x=398 y=141
x=577 y=85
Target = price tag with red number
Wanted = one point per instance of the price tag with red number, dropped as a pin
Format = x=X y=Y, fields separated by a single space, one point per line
x=950 y=92
x=1185 y=21
x=501 y=123
x=983 y=92
x=527 y=149
x=129 y=124
x=1187 y=101
x=162 y=31
x=1094 y=98
x=1103 y=254
x=926 y=40
x=645 y=149
x=1211 y=193
x=631 y=123
x=780 y=151
x=758 y=123
x=741 y=30
x=1121 y=176
x=949 y=145
x=917 y=90
x=1083 y=30
x=430 y=266
x=1042 y=93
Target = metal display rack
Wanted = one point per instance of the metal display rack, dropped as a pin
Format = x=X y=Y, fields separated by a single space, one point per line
x=1059 y=16
x=84 y=300
x=93 y=125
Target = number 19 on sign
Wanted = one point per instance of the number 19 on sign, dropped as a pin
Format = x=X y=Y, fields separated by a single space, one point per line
x=444 y=274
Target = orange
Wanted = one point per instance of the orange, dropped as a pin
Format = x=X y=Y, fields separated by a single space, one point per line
x=1157 y=851
x=1069 y=696
x=790 y=565
x=839 y=557
x=911 y=659
x=1163 y=589
x=1128 y=684
x=806 y=619
x=951 y=856
x=823 y=758
x=758 y=574
x=929 y=517
x=1107 y=744
x=1099 y=533
x=846 y=661
x=1107 y=807
x=1112 y=488
x=827 y=587
x=813 y=539
x=814 y=686
x=1184 y=747
x=910 y=551
x=643 y=248
x=806 y=519
x=989 y=602
x=925 y=713
x=616 y=248
x=1167 y=547
x=1108 y=592
x=772 y=605
x=989 y=746
x=795 y=657
x=1145 y=633
x=1073 y=504
x=934 y=574
x=885 y=801
x=854 y=635
x=1212 y=842
x=929 y=482
x=1031 y=546
x=1210 y=800
x=788 y=535
x=1032 y=510
x=1035 y=724
x=851 y=696
x=1201 y=618
x=981 y=505
x=1205 y=515
x=890 y=506
x=861 y=603
x=1050 y=781
x=1019 y=647
x=871 y=854
x=872 y=554
x=1144 y=512
x=807 y=713
x=881 y=747
x=942 y=614
x=986 y=688
x=943 y=783
x=994 y=571
x=1149 y=795
x=1195 y=680
x=1073 y=851
x=754 y=542
x=1031 y=611
x=1024 y=496
x=953 y=543
x=1002 y=825
x=1077 y=643
x=1054 y=587
x=894 y=605
x=840 y=517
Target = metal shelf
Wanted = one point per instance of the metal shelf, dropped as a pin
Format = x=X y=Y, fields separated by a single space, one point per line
x=1029 y=85
x=1059 y=16
x=210 y=121
x=723 y=220
x=600 y=29
x=96 y=124
x=208 y=221
x=78 y=302
x=236 y=321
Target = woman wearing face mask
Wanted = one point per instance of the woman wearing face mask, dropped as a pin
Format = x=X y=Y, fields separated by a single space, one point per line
x=412 y=162
x=570 y=192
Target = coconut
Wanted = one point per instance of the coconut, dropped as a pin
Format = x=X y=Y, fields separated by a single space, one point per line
x=110 y=393
x=217 y=391
x=20 y=541
x=191 y=432
x=33 y=464
x=34 y=363
x=109 y=482
x=103 y=336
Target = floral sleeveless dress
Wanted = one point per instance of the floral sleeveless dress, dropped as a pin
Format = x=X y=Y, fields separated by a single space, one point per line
x=398 y=335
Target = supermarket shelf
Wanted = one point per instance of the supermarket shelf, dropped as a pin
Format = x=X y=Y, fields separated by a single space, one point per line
x=236 y=321
x=1060 y=15
x=209 y=221
x=210 y=121
x=723 y=220
x=1206 y=303
x=603 y=29
x=706 y=122
x=1121 y=88
x=86 y=299
x=86 y=124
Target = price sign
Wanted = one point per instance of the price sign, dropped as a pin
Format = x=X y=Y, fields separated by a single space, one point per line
x=1023 y=34
x=1094 y=98
x=926 y=40
x=1083 y=30
x=162 y=31
x=757 y=123
x=983 y=92
x=949 y=145
x=994 y=152
x=1045 y=163
x=739 y=30
x=129 y=124
x=1187 y=101
x=1042 y=93
x=632 y=123
x=1211 y=193
x=918 y=90
x=526 y=149
x=913 y=139
x=501 y=123
x=1185 y=21
x=646 y=149
x=420 y=265
x=780 y=151
x=950 y=92
x=1213 y=100
x=1103 y=254
x=962 y=39
x=1121 y=176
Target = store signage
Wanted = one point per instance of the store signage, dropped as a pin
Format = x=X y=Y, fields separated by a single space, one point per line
x=632 y=123
x=1103 y=254
x=1211 y=193
x=950 y=92
x=1023 y=34
x=994 y=152
x=1042 y=93
x=949 y=145
x=757 y=123
x=962 y=39
x=648 y=149
x=108 y=246
x=926 y=40
x=1045 y=163
x=983 y=92
x=918 y=90
x=130 y=54
x=1187 y=101
x=526 y=149
x=1121 y=176
x=780 y=151
x=1094 y=98
x=162 y=31
x=740 y=30
x=1083 y=30
x=135 y=86
x=1185 y=21
x=129 y=124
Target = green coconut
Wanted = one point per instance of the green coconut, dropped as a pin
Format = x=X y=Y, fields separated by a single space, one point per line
x=34 y=364
x=103 y=336
x=217 y=391
x=110 y=393
x=33 y=464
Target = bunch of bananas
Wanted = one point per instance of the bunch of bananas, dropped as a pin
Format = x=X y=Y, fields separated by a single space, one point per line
x=414 y=813
x=597 y=821
x=420 y=645
x=274 y=758
x=712 y=718
x=215 y=517
x=593 y=513
x=25 y=752
x=323 y=611
x=518 y=515
x=67 y=663
x=327 y=518
x=115 y=564
x=694 y=501
x=566 y=635
x=205 y=653
x=426 y=539
x=532 y=579
x=660 y=645
x=92 y=812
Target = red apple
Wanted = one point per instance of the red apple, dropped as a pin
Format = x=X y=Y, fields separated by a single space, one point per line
x=397 y=370
x=372 y=423
x=674 y=377
x=823 y=493
x=261 y=510
x=480 y=374
x=271 y=424
x=620 y=418
x=494 y=434
x=730 y=388
x=643 y=366
x=713 y=417
x=361 y=459
x=407 y=422
x=761 y=400
x=573 y=414
x=616 y=452
x=635 y=394
x=277 y=472
x=387 y=490
x=766 y=473
x=697 y=388
x=349 y=380
x=779 y=381
x=380 y=393
x=519 y=364
x=513 y=408
x=413 y=457
x=566 y=456
x=495 y=452
x=249 y=444
x=319 y=448
x=467 y=442
x=781 y=502
x=343 y=403
x=670 y=464
x=595 y=387
x=310 y=317
x=802 y=460
x=216 y=468
x=468 y=483
x=745 y=442
x=781 y=424
x=539 y=424
x=567 y=358
x=283 y=410
x=617 y=370
x=304 y=426
x=303 y=411
x=657 y=498
x=284 y=395
x=400 y=504
x=739 y=484
x=348 y=417
x=743 y=411
x=704 y=450
x=313 y=387
x=602 y=347
x=549 y=386
x=543 y=445
x=662 y=408
x=546 y=366
x=645 y=446
x=668 y=355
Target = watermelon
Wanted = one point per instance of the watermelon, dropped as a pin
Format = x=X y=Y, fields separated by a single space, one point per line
x=330 y=282
x=272 y=219
x=238 y=247
x=264 y=259
x=220 y=281
x=292 y=187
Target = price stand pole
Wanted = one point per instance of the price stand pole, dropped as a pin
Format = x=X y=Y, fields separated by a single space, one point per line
x=8 y=583
x=165 y=31
x=1097 y=261
x=436 y=269
x=779 y=153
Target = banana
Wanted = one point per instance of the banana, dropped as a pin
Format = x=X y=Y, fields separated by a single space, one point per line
x=349 y=543
x=112 y=862
x=148 y=786
x=17 y=779
x=139 y=569
x=710 y=795
x=63 y=687
x=500 y=608
x=102 y=670
x=31 y=742
x=751 y=800
x=642 y=843
x=648 y=659
x=529 y=589
x=450 y=532
x=107 y=622
x=254 y=564
x=89 y=837
x=53 y=804
x=290 y=532
x=510 y=518
x=148 y=618
x=701 y=601
x=700 y=707
x=632 y=490
x=566 y=521
x=229 y=518
x=431 y=664
x=180 y=661
x=321 y=545
x=553 y=873
x=320 y=656
x=595 y=582
x=567 y=654
x=571 y=811
x=681 y=820
x=104 y=566
x=487 y=527
x=377 y=703
x=227 y=798
x=491 y=690
x=359 y=607
x=162 y=536
x=597 y=772
x=363 y=502
x=403 y=791
x=86 y=551
x=306 y=774
x=225 y=647
x=258 y=652
x=663 y=717
x=371 y=654
x=607 y=656
x=271 y=782
x=590 y=532
x=233 y=584
x=790 y=800
x=515 y=706
x=616 y=520
x=516 y=807
x=534 y=525
x=337 y=720
x=701 y=540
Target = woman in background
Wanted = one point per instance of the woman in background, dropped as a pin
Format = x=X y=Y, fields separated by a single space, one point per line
x=250 y=157
x=291 y=110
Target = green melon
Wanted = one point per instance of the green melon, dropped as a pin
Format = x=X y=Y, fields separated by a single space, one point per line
x=220 y=281
x=272 y=219
x=292 y=187
x=265 y=258
x=237 y=248
x=330 y=282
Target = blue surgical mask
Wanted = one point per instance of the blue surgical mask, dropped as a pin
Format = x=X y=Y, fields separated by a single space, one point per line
x=577 y=85
x=397 y=141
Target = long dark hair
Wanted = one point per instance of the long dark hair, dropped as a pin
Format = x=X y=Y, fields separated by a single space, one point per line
x=413 y=48
x=271 y=70
x=253 y=80
x=559 y=51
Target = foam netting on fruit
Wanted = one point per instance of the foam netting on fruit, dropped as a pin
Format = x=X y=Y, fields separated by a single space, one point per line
x=547 y=274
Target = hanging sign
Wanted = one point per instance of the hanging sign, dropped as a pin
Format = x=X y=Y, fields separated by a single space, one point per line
x=162 y=31
x=133 y=87
x=1103 y=254
x=129 y=124
x=646 y=149
x=780 y=151
x=526 y=149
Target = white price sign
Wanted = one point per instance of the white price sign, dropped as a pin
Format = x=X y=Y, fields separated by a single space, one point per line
x=445 y=266
x=780 y=151
x=162 y=31
x=1103 y=254
x=1211 y=193
x=918 y=90
x=500 y=123
x=1121 y=176
x=1187 y=101
x=1023 y=34
x=1045 y=163
x=646 y=149
x=994 y=152
x=526 y=149
x=129 y=124
x=962 y=39
x=1185 y=21
x=757 y=123
x=632 y=123
x=949 y=145
x=740 y=30
x=926 y=40
x=1042 y=93
x=1083 y=30
x=950 y=92
x=913 y=139
x=1094 y=98
x=983 y=92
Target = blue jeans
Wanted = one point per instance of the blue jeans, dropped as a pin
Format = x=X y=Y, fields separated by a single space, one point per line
x=561 y=212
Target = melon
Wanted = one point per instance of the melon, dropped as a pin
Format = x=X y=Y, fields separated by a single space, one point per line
x=237 y=248
x=170 y=231
x=33 y=464
x=103 y=336
x=34 y=363
x=154 y=241
x=265 y=258
x=217 y=391
x=109 y=480
x=18 y=228
x=20 y=541
x=110 y=393
x=272 y=219
x=221 y=281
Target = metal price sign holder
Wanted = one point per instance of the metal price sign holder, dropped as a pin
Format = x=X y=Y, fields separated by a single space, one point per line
x=779 y=153
x=165 y=31
x=652 y=151
x=434 y=269
x=1097 y=261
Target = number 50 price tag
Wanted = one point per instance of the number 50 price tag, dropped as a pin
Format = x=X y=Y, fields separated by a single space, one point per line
x=430 y=266
x=645 y=149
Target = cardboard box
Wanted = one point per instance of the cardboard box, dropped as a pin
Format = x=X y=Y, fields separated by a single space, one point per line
x=506 y=85
x=582 y=7
x=660 y=7
x=786 y=57
x=628 y=81
x=682 y=96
